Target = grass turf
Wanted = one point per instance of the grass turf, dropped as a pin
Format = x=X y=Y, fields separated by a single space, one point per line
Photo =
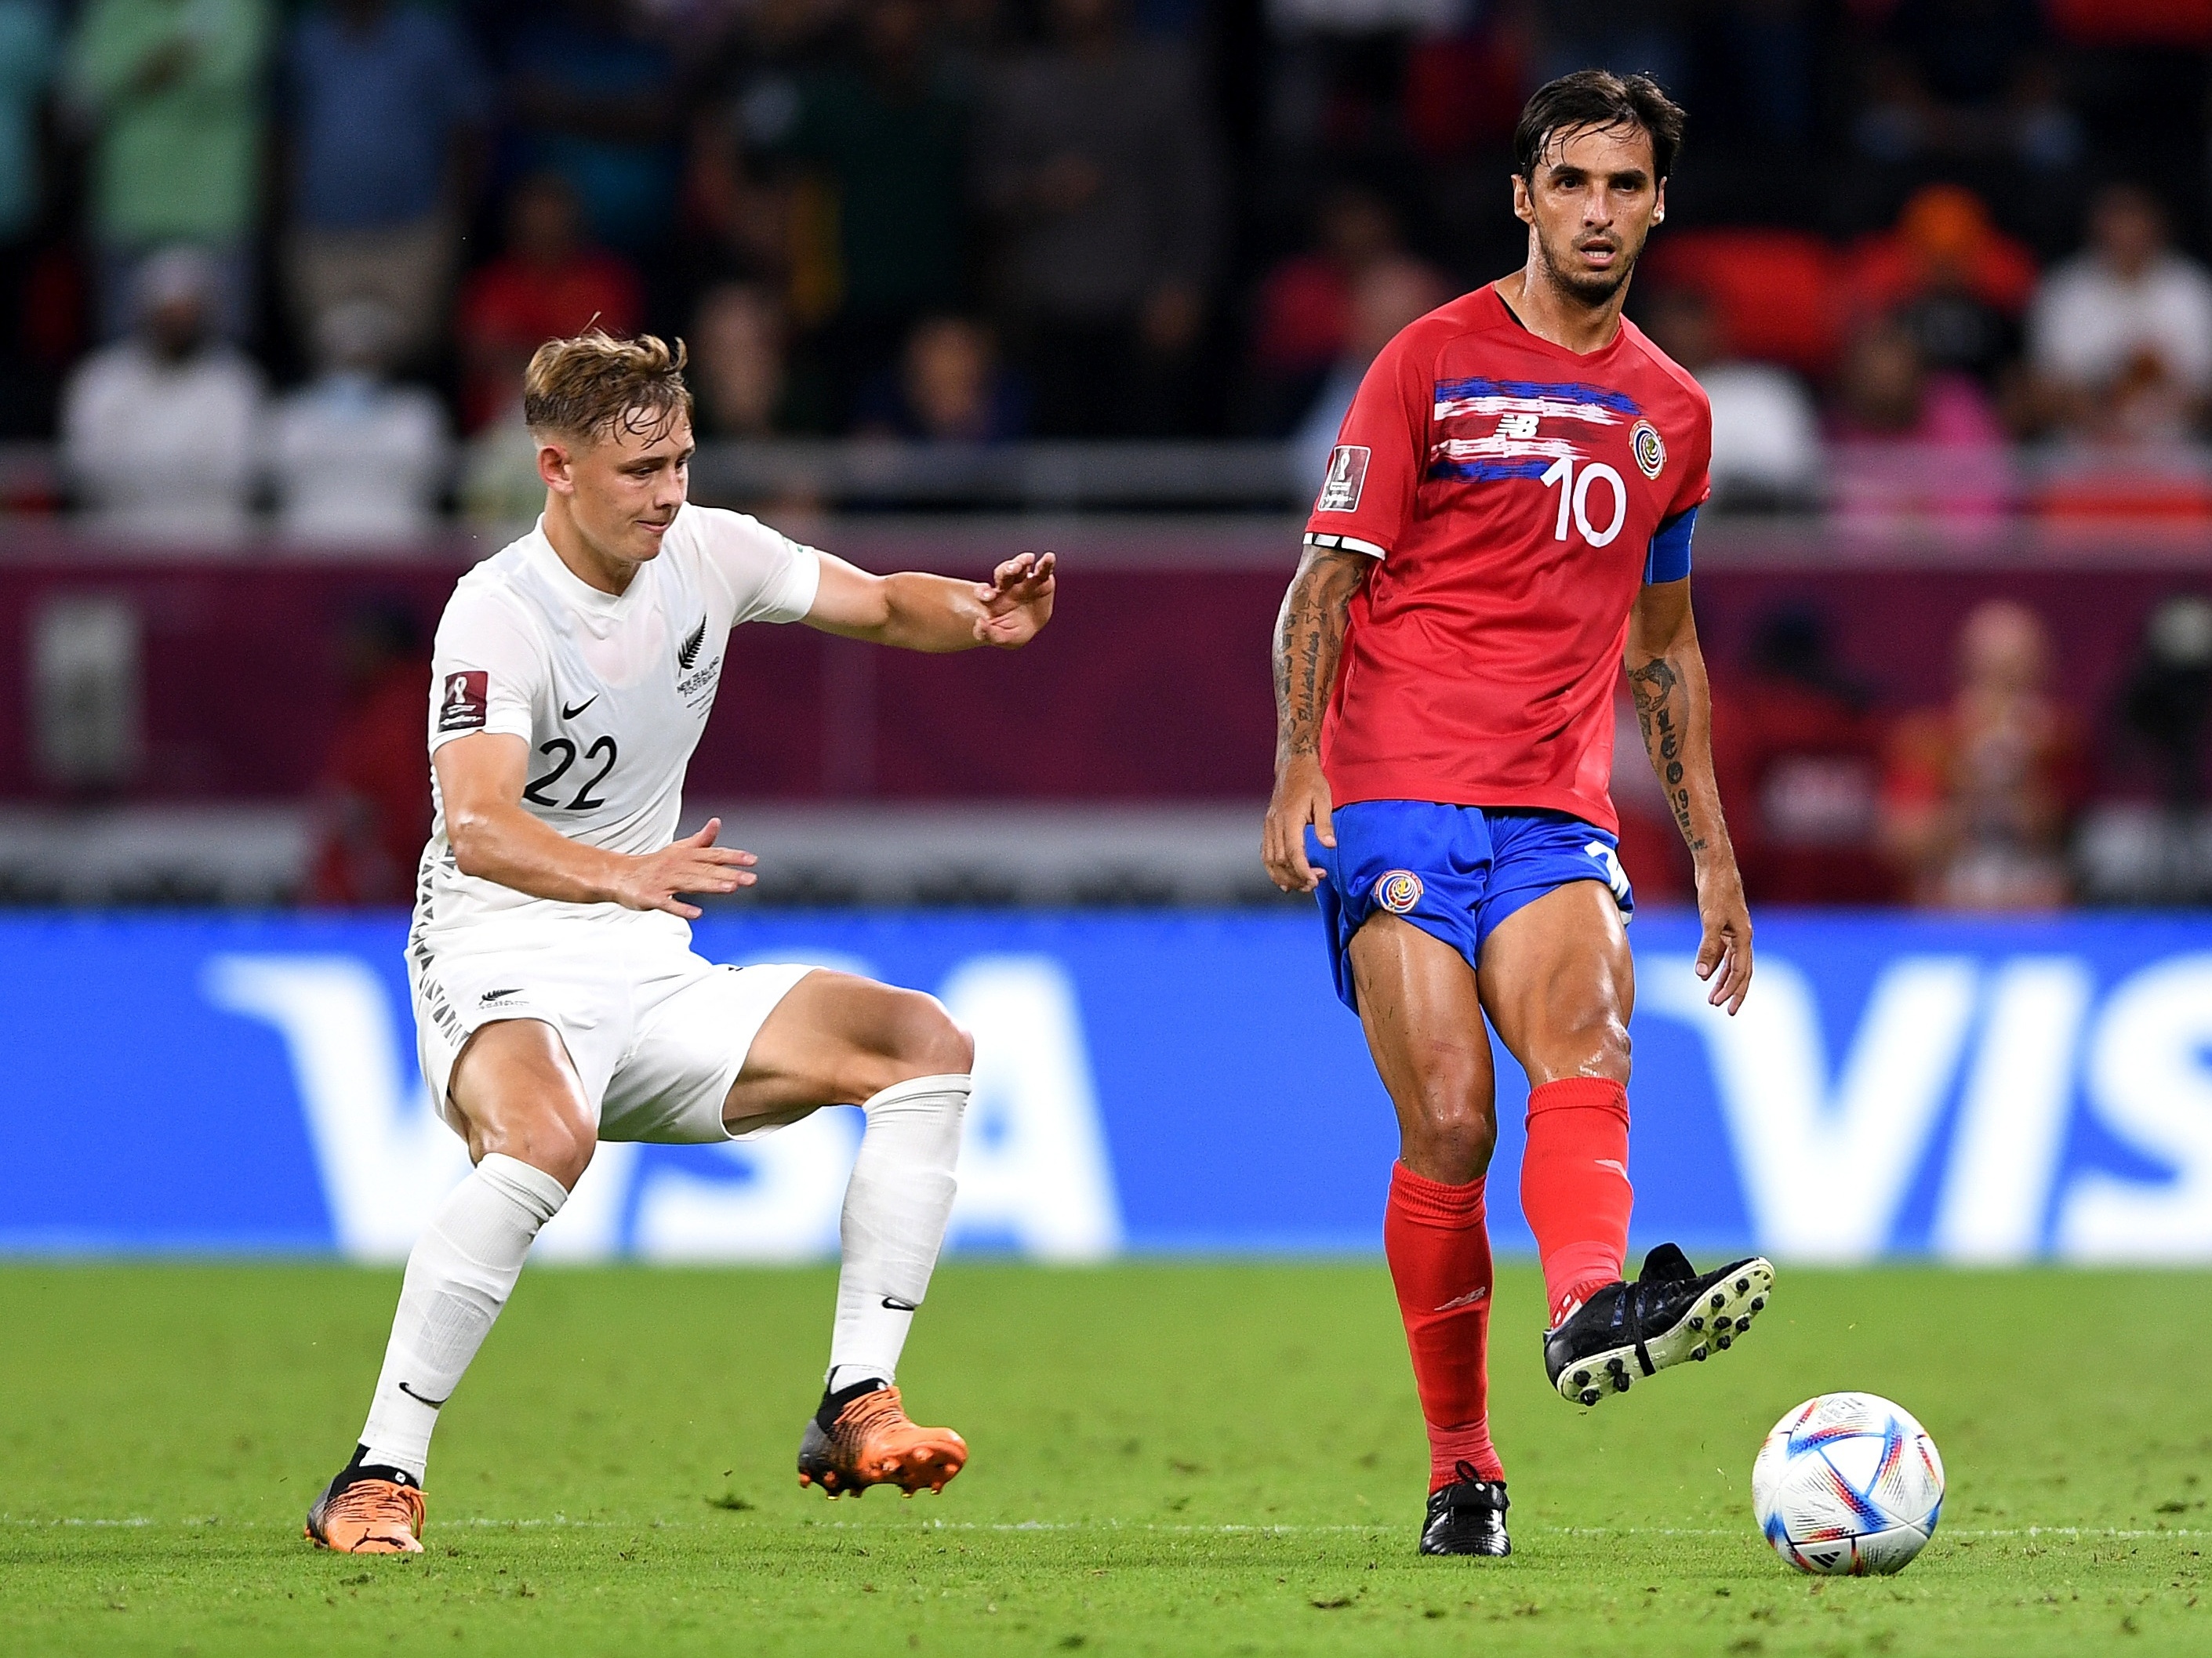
x=1173 y=1459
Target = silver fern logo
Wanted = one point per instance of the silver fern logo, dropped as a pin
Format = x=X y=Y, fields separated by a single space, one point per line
x=687 y=652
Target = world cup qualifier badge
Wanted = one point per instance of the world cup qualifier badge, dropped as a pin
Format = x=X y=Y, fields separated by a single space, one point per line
x=464 y=702
x=1398 y=891
x=1347 y=476
x=1650 y=448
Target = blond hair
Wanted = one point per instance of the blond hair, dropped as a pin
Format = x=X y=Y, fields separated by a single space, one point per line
x=594 y=384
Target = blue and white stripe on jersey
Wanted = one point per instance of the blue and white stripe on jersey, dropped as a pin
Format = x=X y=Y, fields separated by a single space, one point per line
x=1573 y=400
x=1513 y=449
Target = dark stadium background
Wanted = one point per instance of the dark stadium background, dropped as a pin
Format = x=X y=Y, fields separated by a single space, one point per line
x=965 y=277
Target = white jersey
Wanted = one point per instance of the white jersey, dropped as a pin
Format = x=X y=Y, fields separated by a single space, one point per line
x=611 y=692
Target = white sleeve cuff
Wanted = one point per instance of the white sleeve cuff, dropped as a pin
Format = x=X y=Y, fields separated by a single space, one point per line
x=510 y=725
x=795 y=588
x=1348 y=544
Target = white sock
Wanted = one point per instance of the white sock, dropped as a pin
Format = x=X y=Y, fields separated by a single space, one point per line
x=895 y=1209
x=458 y=1276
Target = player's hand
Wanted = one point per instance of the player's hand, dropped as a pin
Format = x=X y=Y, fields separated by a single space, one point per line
x=1017 y=601
x=1301 y=798
x=694 y=864
x=1724 y=956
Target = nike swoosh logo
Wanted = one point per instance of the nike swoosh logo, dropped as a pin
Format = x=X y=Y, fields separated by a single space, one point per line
x=898 y=1306
x=434 y=1404
x=1471 y=1298
x=1620 y=1169
x=567 y=713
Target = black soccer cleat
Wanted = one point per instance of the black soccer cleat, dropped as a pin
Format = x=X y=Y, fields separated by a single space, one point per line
x=1467 y=1517
x=1668 y=1314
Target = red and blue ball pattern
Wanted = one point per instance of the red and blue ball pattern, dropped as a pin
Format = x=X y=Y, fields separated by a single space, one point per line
x=1848 y=1483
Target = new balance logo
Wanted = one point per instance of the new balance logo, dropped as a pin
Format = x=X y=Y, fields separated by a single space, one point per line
x=1472 y=1298
x=687 y=652
x=434 y=1404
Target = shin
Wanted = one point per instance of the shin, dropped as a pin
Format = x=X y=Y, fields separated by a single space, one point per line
x=895 y=1210
x=1574 y=1186
x=459 y=1277
x=1439 y=1245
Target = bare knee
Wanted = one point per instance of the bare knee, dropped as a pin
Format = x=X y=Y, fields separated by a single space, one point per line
x=549 y=1138
x=916 y=1038
x=1458 y=1149
x=1448 y=1128
x=931 y=1040
x=1593 y=1043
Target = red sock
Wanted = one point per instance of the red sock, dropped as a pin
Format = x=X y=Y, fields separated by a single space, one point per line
x=1574 y=1186
x=1439 y=1251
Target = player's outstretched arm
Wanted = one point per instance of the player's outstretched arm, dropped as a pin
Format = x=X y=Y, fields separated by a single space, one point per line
x=918 y=612
x=480 y=781
x=1666 y=673
x=1308 y=638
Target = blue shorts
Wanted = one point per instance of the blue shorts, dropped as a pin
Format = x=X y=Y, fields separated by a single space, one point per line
x=1454 y=871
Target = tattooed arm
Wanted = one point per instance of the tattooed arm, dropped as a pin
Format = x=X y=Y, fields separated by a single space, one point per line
x=1309 y=635
x=1667 y=673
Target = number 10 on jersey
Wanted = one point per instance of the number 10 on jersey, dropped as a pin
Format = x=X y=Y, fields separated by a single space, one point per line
x=1574 y=496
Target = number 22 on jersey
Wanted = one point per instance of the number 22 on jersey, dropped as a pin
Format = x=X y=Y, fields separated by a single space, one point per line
x=584 y=799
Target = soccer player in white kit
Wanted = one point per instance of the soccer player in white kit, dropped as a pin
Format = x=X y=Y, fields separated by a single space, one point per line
x=558 y=1001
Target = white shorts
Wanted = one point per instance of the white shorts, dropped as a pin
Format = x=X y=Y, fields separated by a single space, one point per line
x=657 y=1034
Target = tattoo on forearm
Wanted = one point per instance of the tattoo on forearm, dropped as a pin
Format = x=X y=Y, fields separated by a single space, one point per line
x=1309 y=636
x=1663 y=709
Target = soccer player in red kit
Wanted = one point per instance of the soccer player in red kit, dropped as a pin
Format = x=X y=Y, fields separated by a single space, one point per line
x=1506 y=517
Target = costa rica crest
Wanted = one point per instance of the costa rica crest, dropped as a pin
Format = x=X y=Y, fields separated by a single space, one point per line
x=1398 y=891
x=1651 y=449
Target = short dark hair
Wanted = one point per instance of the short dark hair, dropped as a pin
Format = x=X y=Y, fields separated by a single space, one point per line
x=1600 y=99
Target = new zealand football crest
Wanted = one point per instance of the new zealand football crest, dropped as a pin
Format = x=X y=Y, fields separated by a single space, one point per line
x=695 y=680
x=687 y=652
x=1398 y=891
x=1650 y=448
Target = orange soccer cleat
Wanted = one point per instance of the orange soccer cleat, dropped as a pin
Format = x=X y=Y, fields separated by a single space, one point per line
x=861 y=1437
x=363 y=1512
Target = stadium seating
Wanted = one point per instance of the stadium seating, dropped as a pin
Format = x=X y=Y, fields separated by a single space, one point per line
x=1776 y=291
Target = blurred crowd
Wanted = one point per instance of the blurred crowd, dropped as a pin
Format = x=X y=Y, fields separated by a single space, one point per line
x=2004 y=797
x=291 y=257
x=255 y=252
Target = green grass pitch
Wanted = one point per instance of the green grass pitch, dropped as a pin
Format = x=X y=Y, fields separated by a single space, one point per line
x=1213 y=1458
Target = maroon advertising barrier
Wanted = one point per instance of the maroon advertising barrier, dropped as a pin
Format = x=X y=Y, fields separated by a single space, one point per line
x=1152 y=684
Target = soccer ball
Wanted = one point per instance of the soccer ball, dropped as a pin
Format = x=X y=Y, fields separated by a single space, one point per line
x=1848 y=1484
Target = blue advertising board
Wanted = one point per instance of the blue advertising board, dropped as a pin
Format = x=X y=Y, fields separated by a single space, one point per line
x=1980 y=1090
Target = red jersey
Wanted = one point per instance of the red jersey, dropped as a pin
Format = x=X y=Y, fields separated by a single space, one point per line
x=1515 y=495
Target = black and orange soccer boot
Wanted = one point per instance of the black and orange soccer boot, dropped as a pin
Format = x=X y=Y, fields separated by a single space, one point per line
x=368 y=1509
x=1671 y=1313
x=1467 y=1517
x=861 y=1437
